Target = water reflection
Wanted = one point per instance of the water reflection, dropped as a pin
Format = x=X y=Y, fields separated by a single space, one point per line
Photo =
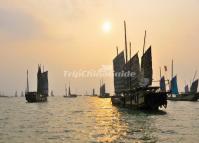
x=121 y=125
x=91 y=119
x=109 y=126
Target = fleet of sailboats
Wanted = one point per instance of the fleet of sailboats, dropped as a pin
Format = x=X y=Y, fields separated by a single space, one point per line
x=135 y=90
x=190 y=94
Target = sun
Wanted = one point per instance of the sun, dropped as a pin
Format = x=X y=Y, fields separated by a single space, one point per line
x=106 y=27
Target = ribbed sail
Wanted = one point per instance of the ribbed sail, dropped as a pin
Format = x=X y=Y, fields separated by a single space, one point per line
x=174 y=86
x=186 y=88
x=102 y=90
x=118 y=64
x=194 y=87
x=146 y=68
x=133 y=67
x=162 y=84
x=42 y=82
x=69 y=92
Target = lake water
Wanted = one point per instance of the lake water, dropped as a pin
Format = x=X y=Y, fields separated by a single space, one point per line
x=91 y=119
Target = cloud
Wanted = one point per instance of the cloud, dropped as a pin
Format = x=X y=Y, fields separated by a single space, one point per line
x=18 y=25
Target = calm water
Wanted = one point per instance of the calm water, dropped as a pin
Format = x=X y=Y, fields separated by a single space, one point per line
x=91 y=119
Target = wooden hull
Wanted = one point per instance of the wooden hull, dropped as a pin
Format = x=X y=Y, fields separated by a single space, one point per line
x=104 y=96
x=185 y=97
x=35 y=97
x=71 y=96
x=147 y=100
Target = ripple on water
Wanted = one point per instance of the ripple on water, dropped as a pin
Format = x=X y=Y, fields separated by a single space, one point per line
x=86 y=119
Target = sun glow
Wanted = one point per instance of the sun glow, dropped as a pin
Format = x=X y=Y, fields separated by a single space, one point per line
x=106 y=27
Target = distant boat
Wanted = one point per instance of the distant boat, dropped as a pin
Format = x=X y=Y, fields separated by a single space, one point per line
x=188 y=95
x=93 y=94
x=135 y=91
x=51 y=93
x=16 y=95
x=191 y=95
x=69 y=95
x=103 y=93
x=2 y=95
x=42 y=87
x=22 y=94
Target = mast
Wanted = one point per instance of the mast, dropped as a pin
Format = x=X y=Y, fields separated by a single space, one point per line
x=69 y=90
x=93 y=92
x=65 y=90
x=171 y=77
x=130 y=65
x=130 y=50
x=144 y=42
x=160 y=73
x=117 y=50
x=194 y=75
x=125 y=38
x=172 y=69
x=15 y=93
x=27 y=88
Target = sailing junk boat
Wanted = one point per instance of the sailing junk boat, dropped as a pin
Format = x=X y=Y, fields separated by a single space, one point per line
x=69 y=95
x=16 y=94
x=135 y=90
x=51 y=93
x=103 y=93
x=42 y=87
x=188 y=95
x=22 y=94
x=191 y=95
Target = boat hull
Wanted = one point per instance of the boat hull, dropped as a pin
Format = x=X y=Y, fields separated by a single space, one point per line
x=71 y=96
x=185 y=97
x=148 y=100
x=104 y=96
x=35 y=97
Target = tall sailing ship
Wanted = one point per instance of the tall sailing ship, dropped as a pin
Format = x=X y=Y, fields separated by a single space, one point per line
x=136 y=90
x=42 y=87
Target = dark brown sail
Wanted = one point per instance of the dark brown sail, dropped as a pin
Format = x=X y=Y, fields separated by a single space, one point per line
x=42 y=82
x=133 y=68
x=146 y=67
x=102 y=90
x=118 y=65
x=194 y=87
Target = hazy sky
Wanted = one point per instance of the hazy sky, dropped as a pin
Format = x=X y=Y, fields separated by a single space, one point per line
x=67 y=35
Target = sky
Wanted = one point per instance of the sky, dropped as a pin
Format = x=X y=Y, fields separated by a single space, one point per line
x=67 y=35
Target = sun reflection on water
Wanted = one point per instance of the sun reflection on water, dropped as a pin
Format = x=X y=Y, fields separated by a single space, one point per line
x=109 y=126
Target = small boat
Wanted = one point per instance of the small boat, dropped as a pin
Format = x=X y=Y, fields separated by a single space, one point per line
x=42 y=87
x=93 y=94
x=16 y=95
x=3 y=96
x=103 y=93
x=188 y=95
x=52 y=94
x=22 y=94
x=191 y=95
x=69 y=95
